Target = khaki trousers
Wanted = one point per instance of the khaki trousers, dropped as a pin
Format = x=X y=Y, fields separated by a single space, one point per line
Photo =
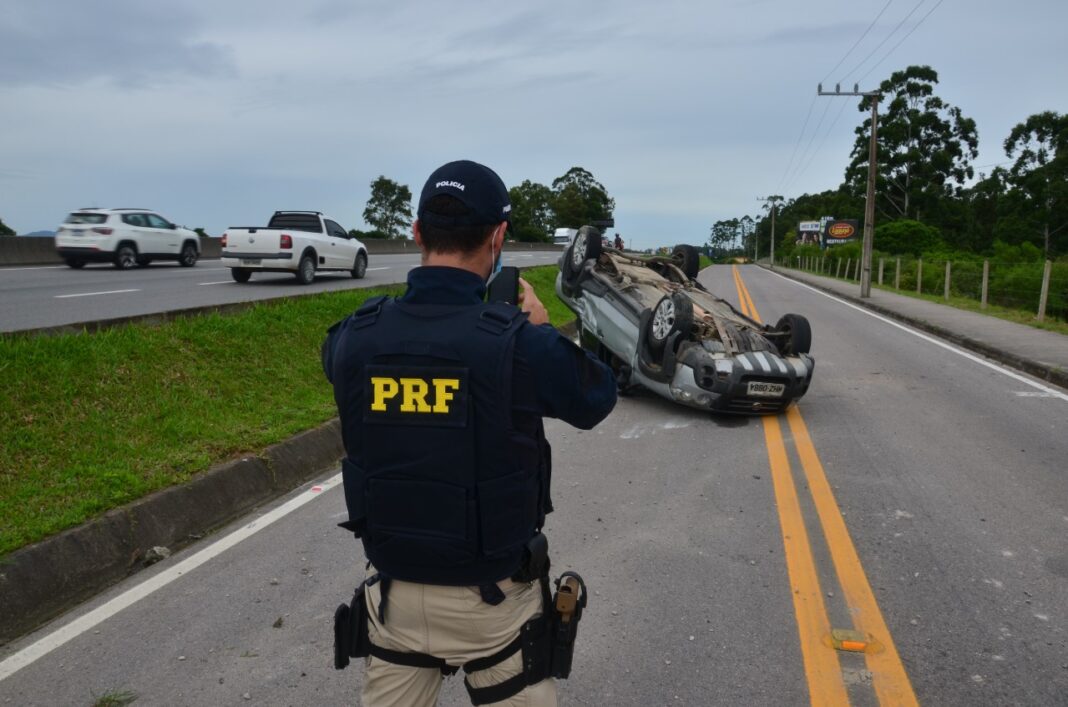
x=452 y=623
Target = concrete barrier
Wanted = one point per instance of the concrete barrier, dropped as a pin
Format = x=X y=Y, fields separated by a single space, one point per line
x=42 y=251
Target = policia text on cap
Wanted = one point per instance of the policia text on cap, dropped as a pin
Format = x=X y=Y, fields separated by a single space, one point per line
x=447 y=471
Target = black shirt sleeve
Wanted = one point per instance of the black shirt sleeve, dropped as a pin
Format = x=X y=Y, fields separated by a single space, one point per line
x=571 y=384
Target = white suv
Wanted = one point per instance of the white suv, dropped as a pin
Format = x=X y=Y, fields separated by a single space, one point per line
x=124 y=237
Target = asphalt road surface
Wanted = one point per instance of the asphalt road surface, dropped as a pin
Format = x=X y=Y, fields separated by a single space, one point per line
x=916 y=496
x=50 y=295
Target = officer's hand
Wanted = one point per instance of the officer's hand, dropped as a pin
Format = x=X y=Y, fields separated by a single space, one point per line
x=529 y=303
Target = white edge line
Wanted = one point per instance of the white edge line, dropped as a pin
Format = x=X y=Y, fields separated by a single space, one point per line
x=90 y=294
x=949 y=347
x=38 y=267
x=380 y=268
x=75 y=628
x=217 y=282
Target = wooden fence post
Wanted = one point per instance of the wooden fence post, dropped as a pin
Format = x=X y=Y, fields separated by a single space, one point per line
x=882 y=262
x=919 y=276
x=897 y=275
x=947 y=280
x=986 y=283
x=1045 y=291
x=838 y=269
x=849 y=264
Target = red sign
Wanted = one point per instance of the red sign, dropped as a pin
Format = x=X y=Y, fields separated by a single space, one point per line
x=842 y=229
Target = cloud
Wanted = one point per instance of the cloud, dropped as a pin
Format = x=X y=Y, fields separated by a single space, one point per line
x=134 y=44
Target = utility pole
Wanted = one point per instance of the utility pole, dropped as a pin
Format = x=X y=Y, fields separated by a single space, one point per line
x=869 y=200
x=773 y=200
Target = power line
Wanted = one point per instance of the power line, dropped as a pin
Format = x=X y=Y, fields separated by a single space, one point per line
x=885 y=40
x=804 y=153
x=859 y=40
x=822 y=142
x=797 y=144
x=873 y=68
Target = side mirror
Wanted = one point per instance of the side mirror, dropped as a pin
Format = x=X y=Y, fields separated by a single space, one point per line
x=171 y=226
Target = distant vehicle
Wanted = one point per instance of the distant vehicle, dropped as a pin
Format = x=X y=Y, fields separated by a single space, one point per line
x=563 y=236
x=657 y=327
x=297 y=242
x=125 y=238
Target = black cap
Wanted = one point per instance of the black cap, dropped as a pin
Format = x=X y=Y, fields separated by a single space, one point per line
x=476 y=185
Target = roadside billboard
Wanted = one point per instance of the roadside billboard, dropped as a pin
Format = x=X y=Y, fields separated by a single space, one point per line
x=808 y=232
x=841 y=231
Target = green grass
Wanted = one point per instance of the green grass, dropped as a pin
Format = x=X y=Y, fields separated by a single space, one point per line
x=94 y=421
x=543 y=280
x=114 y=698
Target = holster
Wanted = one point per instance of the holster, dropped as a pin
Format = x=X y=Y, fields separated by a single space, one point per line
x=535 y=560
x=566 y=612
x=351 y=637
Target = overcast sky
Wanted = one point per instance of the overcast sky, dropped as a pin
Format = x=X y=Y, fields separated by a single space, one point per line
x=218 y=113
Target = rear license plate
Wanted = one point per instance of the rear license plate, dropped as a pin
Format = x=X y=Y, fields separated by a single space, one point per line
x=251 y=261
x=759 y=389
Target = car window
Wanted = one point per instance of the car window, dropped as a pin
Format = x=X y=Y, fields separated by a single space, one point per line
x=134 y=219
x=335 y=229
x=81 y=217
x=155 y=221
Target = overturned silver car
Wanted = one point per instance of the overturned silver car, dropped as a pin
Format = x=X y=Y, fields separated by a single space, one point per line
x=659 y=328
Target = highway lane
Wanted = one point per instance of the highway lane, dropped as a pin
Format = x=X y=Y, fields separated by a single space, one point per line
x=949 y=484
x=40 y=296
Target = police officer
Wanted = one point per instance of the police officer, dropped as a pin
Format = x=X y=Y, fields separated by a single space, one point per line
x=441 y=398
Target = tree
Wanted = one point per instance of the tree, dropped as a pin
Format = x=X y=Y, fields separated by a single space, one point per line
x=906 y=237
x=1039 y=174
x=579 y=199
x=4 y=230
x=390 y=207
x=532 y=211
x=924 y=147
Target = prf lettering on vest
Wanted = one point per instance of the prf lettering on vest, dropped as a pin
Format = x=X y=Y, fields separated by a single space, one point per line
x=413 y=393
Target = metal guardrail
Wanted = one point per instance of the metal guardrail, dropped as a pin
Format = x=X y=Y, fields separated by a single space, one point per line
x=27 y=250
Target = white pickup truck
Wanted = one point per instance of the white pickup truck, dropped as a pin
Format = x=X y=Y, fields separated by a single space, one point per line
x=298 y=242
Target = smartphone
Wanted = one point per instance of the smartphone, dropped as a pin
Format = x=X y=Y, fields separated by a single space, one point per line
x=504 y=287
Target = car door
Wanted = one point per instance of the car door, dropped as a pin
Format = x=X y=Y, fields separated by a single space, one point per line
x=163 y=234
x=342 y=252
x=135 y=227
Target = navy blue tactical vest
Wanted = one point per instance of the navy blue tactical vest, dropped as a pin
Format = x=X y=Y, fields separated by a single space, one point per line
x=447 y=469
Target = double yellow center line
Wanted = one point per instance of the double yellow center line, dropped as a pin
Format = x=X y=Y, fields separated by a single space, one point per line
x=822 y=668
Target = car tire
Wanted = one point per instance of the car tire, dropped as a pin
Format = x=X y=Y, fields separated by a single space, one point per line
x=586 y=245
x=143 y=262
x=188 y=257
x=76 y=263
x=125 y=257
x=689 y=260
x=673 y=313
x=306 y=270
x=359 y=269
x=798 y=339
x=240 y=274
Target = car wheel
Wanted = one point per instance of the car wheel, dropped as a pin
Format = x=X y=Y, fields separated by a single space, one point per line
x=359 y=269
x=689 y=260
x=75 y=263
x=586 y=245
x=126 y=257
x=673 y=313
x=240 y=274
x=306 y=270
x=188 y=256
x=798 y=338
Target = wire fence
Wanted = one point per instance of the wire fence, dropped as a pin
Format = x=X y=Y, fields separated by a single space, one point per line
x=1038 y=288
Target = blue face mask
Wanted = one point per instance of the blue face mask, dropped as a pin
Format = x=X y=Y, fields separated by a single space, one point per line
x=497 y=263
